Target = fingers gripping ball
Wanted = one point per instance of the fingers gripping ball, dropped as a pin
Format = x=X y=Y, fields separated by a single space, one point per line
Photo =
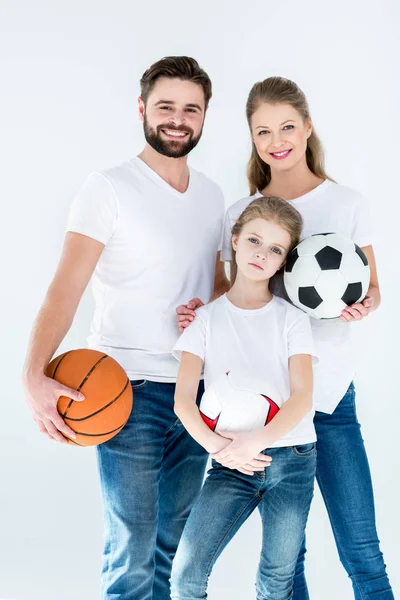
x=107 y=391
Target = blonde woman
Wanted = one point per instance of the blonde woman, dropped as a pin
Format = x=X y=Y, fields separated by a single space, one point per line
x=287 y=161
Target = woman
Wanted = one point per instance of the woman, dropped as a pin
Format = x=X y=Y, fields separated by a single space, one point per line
x=287 y=161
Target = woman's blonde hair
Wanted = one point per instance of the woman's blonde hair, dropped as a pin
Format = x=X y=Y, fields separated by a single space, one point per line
x=273 y=209
x=278 y=90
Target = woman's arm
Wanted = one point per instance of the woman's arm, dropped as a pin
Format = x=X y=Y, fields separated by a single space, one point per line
x=372 y=300
x=185 y=404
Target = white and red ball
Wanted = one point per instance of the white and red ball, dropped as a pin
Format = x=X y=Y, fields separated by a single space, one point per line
x=238 y=401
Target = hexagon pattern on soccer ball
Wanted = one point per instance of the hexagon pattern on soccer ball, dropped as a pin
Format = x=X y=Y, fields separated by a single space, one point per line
x=325 y=273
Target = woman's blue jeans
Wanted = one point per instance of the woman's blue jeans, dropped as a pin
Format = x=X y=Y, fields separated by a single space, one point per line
x=283 y=494
x=344 y=479
x=151 y=474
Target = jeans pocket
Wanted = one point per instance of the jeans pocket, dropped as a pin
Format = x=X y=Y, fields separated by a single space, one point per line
x=137 y=384
x=305 y=450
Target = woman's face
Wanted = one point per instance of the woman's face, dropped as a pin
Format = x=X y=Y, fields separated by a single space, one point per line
x=280 y=135
x=261 y=248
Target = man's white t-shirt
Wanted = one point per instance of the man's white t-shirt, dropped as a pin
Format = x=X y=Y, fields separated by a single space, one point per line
x=160 y=251
x=254 y=343
x=335 y=208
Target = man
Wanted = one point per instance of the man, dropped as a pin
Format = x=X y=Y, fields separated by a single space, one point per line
x=148 y=230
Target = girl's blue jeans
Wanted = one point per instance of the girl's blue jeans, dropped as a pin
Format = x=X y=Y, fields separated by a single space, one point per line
x=282 y=493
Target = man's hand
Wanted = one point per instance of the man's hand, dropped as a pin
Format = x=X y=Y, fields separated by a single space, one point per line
x=185 y=313
x=42 y=396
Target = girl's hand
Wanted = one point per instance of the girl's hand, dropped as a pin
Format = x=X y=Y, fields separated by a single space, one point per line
x=185 y=313
x=357 y=311
x=243 y=453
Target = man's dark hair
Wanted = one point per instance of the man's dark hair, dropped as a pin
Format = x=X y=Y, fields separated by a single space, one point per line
x=180 y=67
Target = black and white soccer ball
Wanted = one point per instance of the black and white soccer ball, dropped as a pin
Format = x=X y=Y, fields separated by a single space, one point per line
x=325 y=273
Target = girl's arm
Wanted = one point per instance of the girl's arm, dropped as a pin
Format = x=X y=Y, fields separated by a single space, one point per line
x=297 y=406
x=185 y=404
x=246 y=446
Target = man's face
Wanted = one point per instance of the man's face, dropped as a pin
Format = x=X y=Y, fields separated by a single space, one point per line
x=173 y=116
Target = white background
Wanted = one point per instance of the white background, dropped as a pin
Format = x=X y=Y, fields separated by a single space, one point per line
x=69 y=78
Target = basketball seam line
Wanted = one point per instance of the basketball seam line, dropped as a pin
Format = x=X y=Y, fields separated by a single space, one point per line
x=59 y=363
x=83 y=382
x=104 y=433
x=100 y=409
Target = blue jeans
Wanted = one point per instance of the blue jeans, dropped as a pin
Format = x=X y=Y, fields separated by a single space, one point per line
x=151 y=474
x=344 y=479
x=283 y=494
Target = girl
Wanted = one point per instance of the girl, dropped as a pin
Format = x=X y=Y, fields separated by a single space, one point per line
x=287 y=160
x=259 y=336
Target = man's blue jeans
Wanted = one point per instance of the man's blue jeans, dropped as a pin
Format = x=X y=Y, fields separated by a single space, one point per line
x=282 y=493
x=344 y=479
x=151 y=474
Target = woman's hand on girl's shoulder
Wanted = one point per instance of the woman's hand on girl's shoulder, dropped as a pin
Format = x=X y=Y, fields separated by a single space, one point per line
x=185 y=313
x=357 y=311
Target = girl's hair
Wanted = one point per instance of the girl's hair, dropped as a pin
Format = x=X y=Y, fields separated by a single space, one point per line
x=274 y=209
x=278 y=90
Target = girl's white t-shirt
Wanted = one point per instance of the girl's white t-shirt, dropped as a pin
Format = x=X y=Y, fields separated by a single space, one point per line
x=160 y=251
x=335 y=208
x=255 y=345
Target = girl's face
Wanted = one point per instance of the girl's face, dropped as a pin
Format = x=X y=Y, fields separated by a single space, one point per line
x=261 y=248
x=280 y=135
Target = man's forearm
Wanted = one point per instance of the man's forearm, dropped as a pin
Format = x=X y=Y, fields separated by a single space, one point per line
x=49 y=329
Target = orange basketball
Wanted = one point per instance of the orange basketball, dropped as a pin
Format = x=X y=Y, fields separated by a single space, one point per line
x=107 y=390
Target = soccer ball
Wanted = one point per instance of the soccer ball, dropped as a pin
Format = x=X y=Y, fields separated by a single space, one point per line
x=239 y=402
x=325 y=273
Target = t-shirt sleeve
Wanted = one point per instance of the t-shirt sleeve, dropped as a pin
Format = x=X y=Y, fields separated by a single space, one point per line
x=94 y=210
x=300 y=337
x=226 y=246
x=193 y=339
x=362 y=231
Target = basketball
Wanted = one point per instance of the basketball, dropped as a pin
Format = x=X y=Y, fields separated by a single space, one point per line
x=238 y=401
x=107 y=390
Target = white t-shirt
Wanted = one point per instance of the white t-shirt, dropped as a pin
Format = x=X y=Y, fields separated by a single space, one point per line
x=256 y=343
x=330 y=207
x=160 y=251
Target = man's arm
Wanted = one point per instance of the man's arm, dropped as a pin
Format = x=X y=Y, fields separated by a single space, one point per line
x=78 y=260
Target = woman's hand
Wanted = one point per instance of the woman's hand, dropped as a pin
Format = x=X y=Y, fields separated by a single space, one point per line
x=185 y=313
x=357 y=311
x=243 y=453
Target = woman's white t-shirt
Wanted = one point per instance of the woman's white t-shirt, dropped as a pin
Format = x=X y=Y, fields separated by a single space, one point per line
x=335 y=208
x=254 y=344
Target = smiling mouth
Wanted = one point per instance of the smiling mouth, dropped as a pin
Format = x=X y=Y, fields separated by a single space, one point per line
x=174 y=134
x=280 y=155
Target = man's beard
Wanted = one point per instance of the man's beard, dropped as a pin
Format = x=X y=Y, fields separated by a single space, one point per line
x=170 y=148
